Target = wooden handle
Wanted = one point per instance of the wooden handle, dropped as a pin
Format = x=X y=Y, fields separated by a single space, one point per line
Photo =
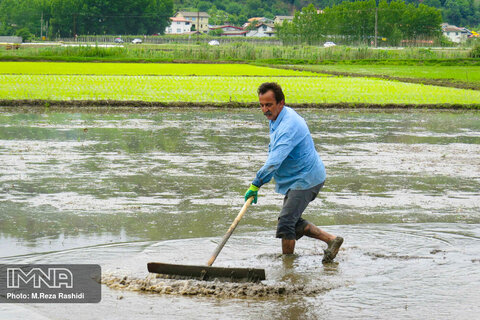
x=230 y=231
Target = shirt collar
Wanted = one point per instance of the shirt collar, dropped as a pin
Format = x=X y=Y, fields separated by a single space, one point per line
x=275 y=123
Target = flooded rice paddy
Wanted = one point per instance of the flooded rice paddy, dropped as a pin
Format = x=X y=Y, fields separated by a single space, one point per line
x=121 y=190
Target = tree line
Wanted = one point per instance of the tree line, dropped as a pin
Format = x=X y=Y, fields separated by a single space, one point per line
x=464 y=13
x=363 y=22
x=66 y=18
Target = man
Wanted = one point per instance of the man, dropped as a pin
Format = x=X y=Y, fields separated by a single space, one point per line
x=297 y=168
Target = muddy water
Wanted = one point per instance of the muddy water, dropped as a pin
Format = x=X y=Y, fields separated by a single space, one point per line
x=121 y=190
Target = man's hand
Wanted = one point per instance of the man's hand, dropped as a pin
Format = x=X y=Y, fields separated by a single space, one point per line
x=252 y=192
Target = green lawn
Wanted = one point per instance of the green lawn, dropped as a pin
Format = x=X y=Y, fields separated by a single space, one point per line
x=456 y=73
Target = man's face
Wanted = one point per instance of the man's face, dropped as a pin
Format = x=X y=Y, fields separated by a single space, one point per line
x=270 y=108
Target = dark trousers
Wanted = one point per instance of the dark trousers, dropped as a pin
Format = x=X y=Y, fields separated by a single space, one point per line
x=290 y=222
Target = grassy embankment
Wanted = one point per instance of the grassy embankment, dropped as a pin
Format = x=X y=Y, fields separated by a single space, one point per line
x=241 y=52
x=107 y=84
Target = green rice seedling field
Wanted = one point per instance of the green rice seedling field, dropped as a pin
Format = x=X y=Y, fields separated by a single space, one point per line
x=455 y=73
x=218 y=83
x=131 y=69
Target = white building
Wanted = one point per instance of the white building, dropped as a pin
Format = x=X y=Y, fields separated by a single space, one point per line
x=280 y=19
x=454 y=33
x=257 y=20
x=199 y=20
x=178 y=26
x=262 y=30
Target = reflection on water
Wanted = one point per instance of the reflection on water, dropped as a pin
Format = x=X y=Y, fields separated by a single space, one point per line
x=124 y=189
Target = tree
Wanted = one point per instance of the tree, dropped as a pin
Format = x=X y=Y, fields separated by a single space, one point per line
x=305 y=27
x=390 y=22
x=20 y=14
x=433 y=3
x=217 y=17
x=427 y=21
x=452 y=12
x=61 y=21
x=216 y=32
x=204 y=6
x=355 y=22
x=234 y=8
x=25 y=34
x=69 y=17
x=349 y=19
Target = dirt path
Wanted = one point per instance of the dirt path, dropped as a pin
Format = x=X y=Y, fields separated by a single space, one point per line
x=42 y=106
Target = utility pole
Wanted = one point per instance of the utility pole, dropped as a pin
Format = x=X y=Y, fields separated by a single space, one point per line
x=198 y=23
x=75 y=26
x=376 y=25
x=45 y=28
x=41 y=26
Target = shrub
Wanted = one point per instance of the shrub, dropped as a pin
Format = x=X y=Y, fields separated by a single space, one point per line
x=25 y=34
x=475 y=52
x=446 y=42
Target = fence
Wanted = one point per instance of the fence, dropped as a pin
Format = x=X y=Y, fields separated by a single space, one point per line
x=10 y=39
x=193 y=39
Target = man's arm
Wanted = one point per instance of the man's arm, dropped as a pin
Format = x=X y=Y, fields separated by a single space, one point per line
x=280 y=149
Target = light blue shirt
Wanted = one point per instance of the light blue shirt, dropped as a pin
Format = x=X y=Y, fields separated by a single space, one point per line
x=292 y=159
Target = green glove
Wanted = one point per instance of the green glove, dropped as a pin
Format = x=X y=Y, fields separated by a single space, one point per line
x=252 y=191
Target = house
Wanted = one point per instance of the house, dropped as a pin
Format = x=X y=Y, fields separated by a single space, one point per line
x=198 y=20
x=261 y=30
x=257 y=20
x=279 y=19
x=178 y=26
x=259 y=27
x=454 y=33
x=229 y=31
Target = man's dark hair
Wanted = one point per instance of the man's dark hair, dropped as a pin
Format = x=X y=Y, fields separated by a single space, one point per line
x=275 y=87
